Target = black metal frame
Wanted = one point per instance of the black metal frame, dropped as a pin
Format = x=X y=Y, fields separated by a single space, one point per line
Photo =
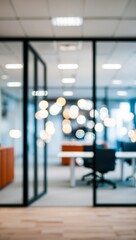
x=37 y=59
x=25 y=42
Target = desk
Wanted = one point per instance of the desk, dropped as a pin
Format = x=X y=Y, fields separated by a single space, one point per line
x=73 y=156
x=127 y=155
x=119 y=155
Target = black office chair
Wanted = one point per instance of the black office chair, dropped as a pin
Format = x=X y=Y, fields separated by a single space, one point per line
x=87 y=162
x=105 y=162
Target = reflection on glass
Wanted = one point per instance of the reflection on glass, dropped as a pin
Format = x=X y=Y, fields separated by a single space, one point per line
x=61 y=125
x=31 y=128
x=115 y=94
x=41 y=133
x=11 y=123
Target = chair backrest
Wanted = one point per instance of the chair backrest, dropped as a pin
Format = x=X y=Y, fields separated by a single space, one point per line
x=128 y=146
x=88 y=162
x=105 y=160
x=88 y=148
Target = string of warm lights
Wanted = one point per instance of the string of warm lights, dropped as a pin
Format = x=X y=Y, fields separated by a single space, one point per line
x=77 y=113
x=82 y=113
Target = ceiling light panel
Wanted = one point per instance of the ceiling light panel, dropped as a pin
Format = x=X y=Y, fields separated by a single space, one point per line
x=14 y=84
x=13 y=66
x=68 y=80
x=68 y=93
x=117 y=82
x=70 y=46
x=68 y=66
x=122 y=93
x=111 y=66
x=67 y=21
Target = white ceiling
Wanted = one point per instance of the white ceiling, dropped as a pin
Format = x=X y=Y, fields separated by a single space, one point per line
x=101 y=18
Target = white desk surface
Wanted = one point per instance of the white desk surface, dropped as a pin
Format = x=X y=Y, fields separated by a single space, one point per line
x=74 y=154
x=119 y=155
x=125 y=154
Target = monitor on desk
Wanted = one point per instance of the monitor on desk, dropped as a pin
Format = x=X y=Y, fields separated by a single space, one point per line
x=128 y=146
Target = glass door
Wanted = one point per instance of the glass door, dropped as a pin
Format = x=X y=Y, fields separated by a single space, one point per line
x=36 y=118
x=70 y=125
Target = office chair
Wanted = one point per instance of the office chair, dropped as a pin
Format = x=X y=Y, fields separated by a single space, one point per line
x=88 y=163
x=105 y=162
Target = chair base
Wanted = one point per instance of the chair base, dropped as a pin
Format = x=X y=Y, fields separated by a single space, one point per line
x=102 y=180
x=129 y=178
x=86 y=176
x=106 y=181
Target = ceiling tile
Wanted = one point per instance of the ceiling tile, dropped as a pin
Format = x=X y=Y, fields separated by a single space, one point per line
x=10 y=28
x=131 y=9
x=31 y=8
x=99 y=28
x=37 y=27
x=67 y=31
x=126 y=28
x=64 y=8
x=6 y=9
x=104 y=8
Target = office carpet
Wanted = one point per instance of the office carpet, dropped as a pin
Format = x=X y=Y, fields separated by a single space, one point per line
x=60 y=193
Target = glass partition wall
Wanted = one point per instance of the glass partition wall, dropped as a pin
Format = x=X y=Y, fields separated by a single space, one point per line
x=11 y=123
x=22 y=84
x=115 y=120
x=69 y=101
x=30 y=123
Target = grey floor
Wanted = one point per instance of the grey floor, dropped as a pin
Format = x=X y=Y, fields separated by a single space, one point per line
x=61 y=194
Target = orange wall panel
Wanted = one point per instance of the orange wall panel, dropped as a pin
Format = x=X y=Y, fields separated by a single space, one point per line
x=6 y=166
x=67 y=148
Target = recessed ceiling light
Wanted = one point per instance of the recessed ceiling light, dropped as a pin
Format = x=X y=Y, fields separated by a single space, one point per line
x=111 y=66
x=117 y=82
x=122 y=93
x=14 y=84
x=68 y=47
x=68 y=66
x=13 y=66
x=68 y=93
x=67 y=21
x=4 y=77
x=39 y=93
x=68 y=80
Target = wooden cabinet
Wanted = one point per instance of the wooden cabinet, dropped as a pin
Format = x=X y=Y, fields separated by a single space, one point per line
x=6 y=165
x=66 y=148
